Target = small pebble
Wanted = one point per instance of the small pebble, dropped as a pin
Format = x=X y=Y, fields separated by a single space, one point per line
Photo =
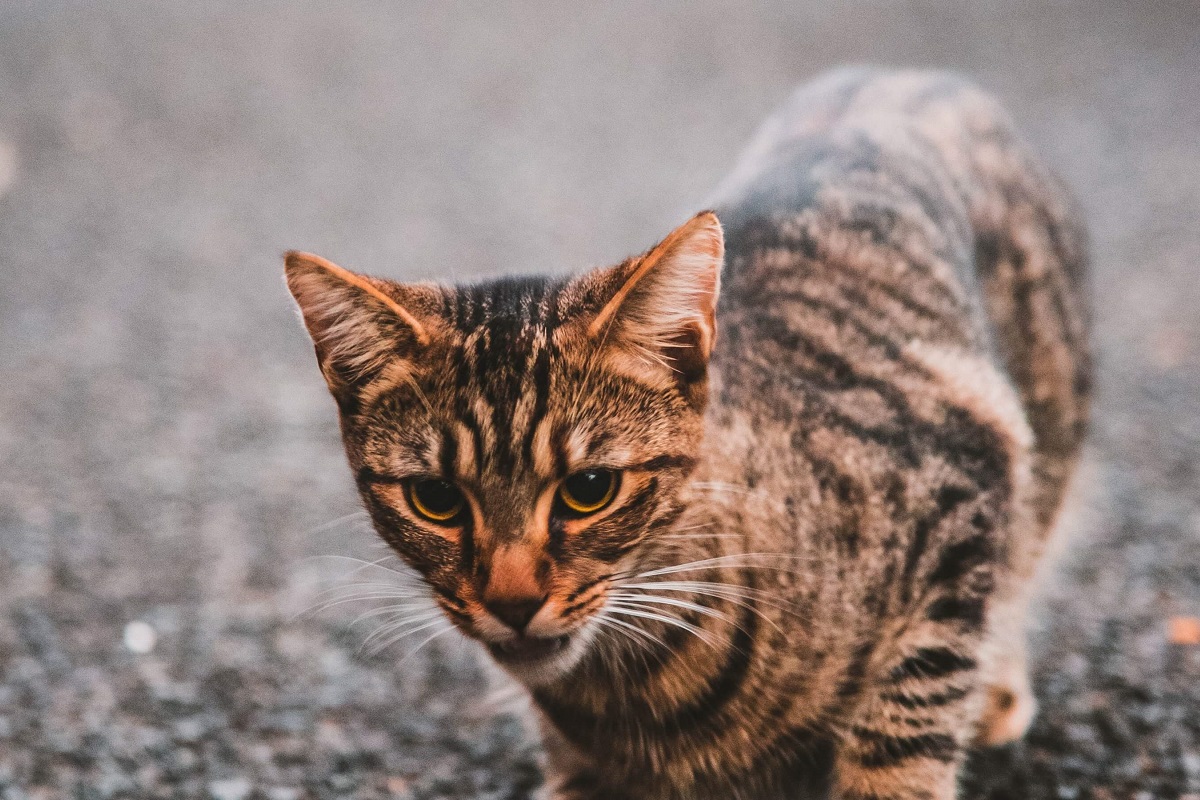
x=189 y=730
x=231 y=789
x=283 y=793
x=139 y=637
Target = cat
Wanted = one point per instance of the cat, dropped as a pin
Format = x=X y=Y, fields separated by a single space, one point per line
x=754 y=514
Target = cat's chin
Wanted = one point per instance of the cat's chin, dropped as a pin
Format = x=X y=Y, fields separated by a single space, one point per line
x=538 y=662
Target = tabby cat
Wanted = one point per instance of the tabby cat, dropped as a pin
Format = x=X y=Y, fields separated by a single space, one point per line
x=775 y=545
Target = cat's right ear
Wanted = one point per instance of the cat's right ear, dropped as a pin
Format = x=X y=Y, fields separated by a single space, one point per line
x=359 y=325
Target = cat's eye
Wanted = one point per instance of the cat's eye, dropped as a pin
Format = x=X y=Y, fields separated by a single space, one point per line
x=436 y=500
x=588 y=491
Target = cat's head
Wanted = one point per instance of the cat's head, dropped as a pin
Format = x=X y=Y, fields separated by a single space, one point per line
x=522 y=442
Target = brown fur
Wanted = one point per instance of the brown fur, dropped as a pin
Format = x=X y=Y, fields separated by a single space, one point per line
x=813 y=576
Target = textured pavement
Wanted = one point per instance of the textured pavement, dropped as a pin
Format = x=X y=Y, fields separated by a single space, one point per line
x=168 y=454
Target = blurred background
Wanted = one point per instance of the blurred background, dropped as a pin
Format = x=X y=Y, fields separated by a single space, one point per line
x=169 y=457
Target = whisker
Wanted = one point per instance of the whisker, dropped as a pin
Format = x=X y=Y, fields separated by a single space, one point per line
x=669 y=601
x=730 y=593
x=424 y=642
x=375 y=612
x=614 y=624
x=723 y=561
x=734 y=589
x=324 y=605
x=315 y=610
x=372 y=586
x=333 y=523
x=363 y=564
x=401 y=584
x=385 y=643
x=321 y=604
x=400 y=619
x=697 y=526
x=390 y=627
x=416 y=387
x=721 y=486
x=407 y=572
x=699 y=536
x=666 y=619
x=625 y=628
x=649 y=597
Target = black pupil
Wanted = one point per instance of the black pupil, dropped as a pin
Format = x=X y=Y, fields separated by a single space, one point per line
x=438 y=496
x=590 y=487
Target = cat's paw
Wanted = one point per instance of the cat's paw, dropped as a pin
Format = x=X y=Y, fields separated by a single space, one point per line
x=1007 y=713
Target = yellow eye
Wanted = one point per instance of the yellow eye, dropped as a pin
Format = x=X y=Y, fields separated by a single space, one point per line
x=435 y=500
x=588 y=491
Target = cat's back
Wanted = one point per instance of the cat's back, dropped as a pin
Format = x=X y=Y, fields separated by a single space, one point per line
x=889 y=231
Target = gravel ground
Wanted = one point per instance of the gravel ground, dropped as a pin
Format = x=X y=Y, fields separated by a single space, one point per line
x=168 y=455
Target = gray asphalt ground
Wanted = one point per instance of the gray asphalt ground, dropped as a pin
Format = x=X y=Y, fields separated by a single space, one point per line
x=168 y=453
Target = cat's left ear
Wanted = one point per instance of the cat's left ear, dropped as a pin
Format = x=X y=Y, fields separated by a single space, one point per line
x=663 y=306
x=360 y=326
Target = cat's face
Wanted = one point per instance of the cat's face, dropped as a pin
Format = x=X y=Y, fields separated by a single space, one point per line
x=521 y=443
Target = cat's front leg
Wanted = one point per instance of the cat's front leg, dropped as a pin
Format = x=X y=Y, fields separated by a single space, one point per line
x=906 y=740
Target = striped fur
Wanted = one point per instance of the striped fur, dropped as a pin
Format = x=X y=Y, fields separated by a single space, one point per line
x=812 y=579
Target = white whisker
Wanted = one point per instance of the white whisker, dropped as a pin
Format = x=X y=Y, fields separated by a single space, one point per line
x=374 y=586
x=324 y=605
x=403 y=584
x=375 y=612
x=735 y=560
x=720 y=486
x=406 y=573
x=424 y=642
x=702 y=587
x=391 y=626
x=333 y=523
x=730 y=593
x=624 y=629
x=669 y=601
x=699 y=536
x=632 y=611
x=385 y=643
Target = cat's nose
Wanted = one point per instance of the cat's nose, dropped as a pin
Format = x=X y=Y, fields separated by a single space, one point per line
x=515 y=613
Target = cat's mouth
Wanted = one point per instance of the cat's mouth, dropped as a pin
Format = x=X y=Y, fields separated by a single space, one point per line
x=526 y=650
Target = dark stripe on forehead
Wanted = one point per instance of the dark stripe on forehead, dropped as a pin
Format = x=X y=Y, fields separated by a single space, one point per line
x=501 y=373
x=541 y=387
x=448 y=454
x=507 y=325
x=466 y=415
